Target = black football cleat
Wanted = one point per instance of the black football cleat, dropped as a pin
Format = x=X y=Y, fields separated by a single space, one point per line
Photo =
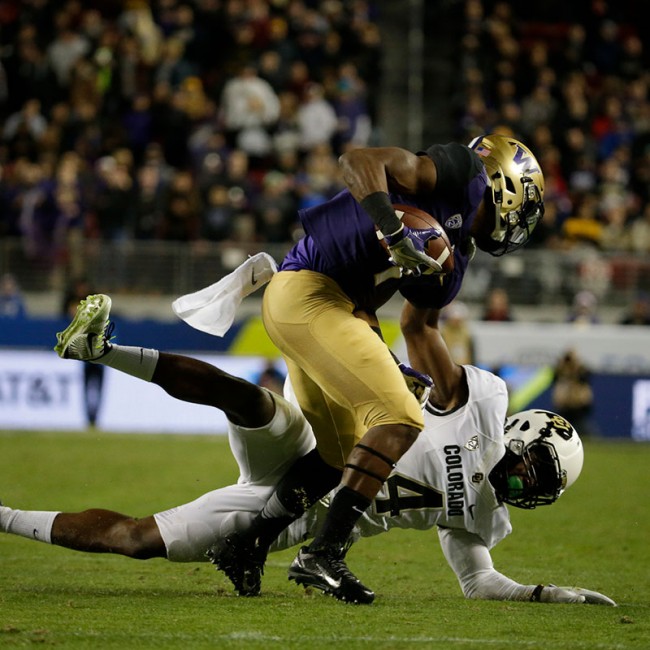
x=328 y=572
x=242 y=563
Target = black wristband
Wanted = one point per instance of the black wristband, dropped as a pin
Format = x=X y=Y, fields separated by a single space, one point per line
x=380 y=210
x=537 y=592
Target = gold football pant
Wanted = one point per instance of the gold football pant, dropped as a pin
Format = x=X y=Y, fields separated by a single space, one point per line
x=343 y=374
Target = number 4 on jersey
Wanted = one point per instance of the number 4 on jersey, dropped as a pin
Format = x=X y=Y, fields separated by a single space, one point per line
x=400 y=493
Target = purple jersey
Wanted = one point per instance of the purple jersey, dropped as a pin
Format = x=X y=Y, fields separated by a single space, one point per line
x=341 y=242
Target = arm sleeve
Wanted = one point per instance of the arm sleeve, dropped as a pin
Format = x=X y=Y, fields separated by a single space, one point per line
x=456 y=165
x=471 y=561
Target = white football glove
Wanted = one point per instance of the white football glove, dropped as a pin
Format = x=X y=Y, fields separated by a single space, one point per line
x=553 y=594
x=407 y=250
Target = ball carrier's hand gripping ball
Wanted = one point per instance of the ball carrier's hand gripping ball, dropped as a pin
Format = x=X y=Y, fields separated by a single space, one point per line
x=425 y=234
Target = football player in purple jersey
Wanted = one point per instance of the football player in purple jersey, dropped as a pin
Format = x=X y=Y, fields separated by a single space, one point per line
x=487 y=195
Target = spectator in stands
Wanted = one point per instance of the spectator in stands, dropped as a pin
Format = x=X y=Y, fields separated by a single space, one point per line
x=280 y=42
x=539 y=107
x=547 y=234
x=497 y=306
x=639 y=231
x=273 y=69
x=171 y=124
x=181 y=212
x=137 y=19
x=321 y=178
x=351 y=108
x=271 y=377
x=39 y=217
x=12 y=301
x=174 y=68
x=584 y=309
x=286 y=134
x=615 y=235
x=275 y=207
x=317 y=119
x=29 y=73
x=67 y=47
x=238 y=178
x=71 y=196
x=218 y=215
x=638 y=312
x=137 y=122
x=250 y=109
x=149 y=202
x=114 y=199
x=572 y=394
x=456 y=332
x=583 y=227
x=28 y=120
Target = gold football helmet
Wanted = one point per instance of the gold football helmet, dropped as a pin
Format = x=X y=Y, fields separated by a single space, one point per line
x=517 y=185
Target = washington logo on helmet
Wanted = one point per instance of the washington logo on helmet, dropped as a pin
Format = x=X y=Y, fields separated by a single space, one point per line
x=523 y=157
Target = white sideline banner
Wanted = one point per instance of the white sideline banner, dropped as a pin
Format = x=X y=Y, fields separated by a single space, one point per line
x=40 y=391
x=604 y=348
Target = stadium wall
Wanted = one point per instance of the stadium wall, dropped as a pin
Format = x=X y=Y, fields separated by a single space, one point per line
x=39 y=391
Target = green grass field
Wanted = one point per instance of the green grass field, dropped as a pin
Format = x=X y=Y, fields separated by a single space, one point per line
x=596 y=536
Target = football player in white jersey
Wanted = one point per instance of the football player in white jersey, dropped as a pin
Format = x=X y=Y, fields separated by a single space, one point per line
x=456 y=477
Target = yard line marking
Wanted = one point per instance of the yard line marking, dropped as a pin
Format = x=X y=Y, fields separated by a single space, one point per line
x=260 y=636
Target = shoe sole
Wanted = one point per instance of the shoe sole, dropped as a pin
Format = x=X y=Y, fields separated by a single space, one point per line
x=93 y=310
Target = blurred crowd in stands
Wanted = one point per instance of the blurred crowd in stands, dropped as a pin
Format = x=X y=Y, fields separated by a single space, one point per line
x=193 y=120
x=573 y=82
x=177 y=120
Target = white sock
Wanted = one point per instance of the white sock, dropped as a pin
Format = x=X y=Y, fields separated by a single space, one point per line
x=33 y=524
x=138 y=362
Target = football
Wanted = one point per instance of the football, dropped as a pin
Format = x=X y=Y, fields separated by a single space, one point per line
x=439 y=248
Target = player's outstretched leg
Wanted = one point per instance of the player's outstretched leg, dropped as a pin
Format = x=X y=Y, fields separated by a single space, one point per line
x=93 y=531
x=87 y=335
x=326 y=570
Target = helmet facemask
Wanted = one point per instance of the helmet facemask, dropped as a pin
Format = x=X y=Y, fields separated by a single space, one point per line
x=513 y=227
x=543 y=457
x=542 y=481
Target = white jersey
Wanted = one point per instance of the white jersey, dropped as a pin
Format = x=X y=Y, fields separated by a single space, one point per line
x=442 y=480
